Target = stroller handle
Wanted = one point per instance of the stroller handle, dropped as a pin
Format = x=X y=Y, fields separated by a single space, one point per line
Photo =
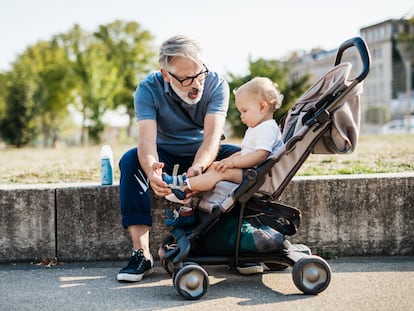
x=362 y=48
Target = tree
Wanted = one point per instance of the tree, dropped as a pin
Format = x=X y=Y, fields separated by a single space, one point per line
x=106 y=67
x=18 y=127
x=37 y=94
x=94 y=79
x=3 y=89
x=129 y=48
x=276 y=71
x=405 y=46
x=49 y=67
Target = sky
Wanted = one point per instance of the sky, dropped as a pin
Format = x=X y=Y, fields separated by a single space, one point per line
x=229 y=32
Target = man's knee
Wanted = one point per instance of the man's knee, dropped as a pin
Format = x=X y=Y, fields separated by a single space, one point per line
x=129 y=159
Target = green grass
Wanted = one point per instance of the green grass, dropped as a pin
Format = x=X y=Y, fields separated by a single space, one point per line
x=374 y=154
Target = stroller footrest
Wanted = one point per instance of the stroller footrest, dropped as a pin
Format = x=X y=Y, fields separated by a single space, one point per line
x=300 y=248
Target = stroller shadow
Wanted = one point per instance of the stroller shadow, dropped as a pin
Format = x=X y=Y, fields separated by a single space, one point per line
x=227 y=288
x=253 y=290
x=230 y=287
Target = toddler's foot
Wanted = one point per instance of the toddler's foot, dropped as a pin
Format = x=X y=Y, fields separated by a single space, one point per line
x=181 y=217
x=176 y=184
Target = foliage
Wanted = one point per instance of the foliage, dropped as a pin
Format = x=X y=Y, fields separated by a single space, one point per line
x=276 y=71
x=130 y=49
x=49 y=67
x=94 y=78
x=407 y=36
x=93 y=72
x=17 y=128
x=3 y=89
x=107 y=66
x=405 y=40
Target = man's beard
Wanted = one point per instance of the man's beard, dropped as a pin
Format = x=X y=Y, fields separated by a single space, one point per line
x=185 y=96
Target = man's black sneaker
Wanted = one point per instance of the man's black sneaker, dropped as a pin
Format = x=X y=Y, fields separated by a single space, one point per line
x=137 y=267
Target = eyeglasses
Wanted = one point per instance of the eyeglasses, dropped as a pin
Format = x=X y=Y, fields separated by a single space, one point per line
x=189 y=80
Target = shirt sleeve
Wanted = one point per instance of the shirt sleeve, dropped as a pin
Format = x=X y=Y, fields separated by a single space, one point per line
x=220 y=94
x=266 y=136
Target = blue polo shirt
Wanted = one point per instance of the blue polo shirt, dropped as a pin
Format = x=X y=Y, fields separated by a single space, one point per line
x=176 y=133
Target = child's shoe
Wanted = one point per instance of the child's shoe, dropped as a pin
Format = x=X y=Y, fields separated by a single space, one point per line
x=182 y=217
x=177 y=184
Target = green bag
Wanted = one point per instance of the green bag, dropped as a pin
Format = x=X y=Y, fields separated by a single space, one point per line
x=221 y=237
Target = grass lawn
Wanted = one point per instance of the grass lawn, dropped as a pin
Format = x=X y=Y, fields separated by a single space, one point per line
x=374 y=154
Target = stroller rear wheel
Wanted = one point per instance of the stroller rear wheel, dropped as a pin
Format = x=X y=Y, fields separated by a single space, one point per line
x=191 y=281
x=311 y=274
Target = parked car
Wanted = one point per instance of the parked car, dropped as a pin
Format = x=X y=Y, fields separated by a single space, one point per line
x=399 y=126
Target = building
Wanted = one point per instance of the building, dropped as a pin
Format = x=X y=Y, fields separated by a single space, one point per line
x=386 y=90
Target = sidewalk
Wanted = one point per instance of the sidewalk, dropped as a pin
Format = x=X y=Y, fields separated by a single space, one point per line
x=381 y=283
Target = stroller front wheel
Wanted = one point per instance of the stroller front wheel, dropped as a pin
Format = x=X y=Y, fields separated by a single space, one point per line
x=191 y=281
x=311 y=275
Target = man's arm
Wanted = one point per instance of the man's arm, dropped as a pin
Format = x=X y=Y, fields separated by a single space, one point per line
x=148 y=156
x=213 y=127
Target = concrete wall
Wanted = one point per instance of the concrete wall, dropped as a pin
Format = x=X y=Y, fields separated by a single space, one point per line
x=343 y=215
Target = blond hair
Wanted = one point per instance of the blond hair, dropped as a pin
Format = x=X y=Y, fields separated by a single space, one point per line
x=265 y=88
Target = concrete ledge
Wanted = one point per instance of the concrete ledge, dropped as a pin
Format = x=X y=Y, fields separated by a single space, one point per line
x=27 y=224
x=357 y=214
x=89 y=224
x=345 y=215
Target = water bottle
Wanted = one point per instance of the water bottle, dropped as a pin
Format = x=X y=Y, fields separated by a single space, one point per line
x=107 y=163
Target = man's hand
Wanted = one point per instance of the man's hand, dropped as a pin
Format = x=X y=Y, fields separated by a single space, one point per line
x=159 y=186
x=194 y=171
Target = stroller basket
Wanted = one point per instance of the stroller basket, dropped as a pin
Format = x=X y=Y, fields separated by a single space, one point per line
x=326 y=119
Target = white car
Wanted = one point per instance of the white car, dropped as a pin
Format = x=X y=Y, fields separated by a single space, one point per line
x=399 y=126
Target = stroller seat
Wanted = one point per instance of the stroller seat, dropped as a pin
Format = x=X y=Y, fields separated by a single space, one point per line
x=248 y=219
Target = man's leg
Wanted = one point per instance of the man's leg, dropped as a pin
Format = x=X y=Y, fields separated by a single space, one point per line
x=226 y=150
x=134 y=194
x=140 y=238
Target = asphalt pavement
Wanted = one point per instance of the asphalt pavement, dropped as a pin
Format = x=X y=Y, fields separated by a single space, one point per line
x=380 y=283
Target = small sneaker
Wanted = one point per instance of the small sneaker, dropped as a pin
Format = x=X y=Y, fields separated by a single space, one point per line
x=184 y=216
x=250 y=268
x=172 y=198
x=177 y=184
x=137 y=267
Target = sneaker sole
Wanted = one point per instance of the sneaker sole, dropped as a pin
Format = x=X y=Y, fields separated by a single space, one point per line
x=250 y=270
x=127 y=277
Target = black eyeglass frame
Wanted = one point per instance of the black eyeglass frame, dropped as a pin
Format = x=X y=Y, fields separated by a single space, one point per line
x=191 y=79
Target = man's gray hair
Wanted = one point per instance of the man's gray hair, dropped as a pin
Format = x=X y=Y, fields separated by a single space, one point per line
x=179 y=46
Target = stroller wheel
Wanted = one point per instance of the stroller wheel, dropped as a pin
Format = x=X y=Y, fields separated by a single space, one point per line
x=191 y=281
x=311 y=274
x=167 y=244
x=168 y=266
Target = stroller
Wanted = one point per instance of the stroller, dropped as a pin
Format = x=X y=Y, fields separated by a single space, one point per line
x=325 y=119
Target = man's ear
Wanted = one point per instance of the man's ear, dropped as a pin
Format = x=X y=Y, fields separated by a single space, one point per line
x=165 y=75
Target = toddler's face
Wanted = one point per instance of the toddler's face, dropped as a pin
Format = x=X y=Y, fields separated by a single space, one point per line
x=249 y=108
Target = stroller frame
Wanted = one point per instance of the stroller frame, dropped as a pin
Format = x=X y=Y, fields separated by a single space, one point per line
x=311 y=274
